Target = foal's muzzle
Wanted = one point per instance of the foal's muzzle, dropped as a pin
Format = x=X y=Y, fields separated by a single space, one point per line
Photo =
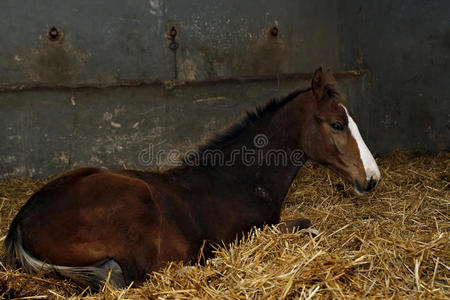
x=371 y=184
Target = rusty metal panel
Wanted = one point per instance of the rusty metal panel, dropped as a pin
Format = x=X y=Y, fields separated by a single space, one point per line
x=72 y=43
x=405 y=48
x=46 y=132
x=99 y=42
x=97 y=82
x=246 y=38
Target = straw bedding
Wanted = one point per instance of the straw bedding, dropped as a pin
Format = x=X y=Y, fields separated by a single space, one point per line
x=393 y=243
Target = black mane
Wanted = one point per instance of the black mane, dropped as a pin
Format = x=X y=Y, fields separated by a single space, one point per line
x=251 y=117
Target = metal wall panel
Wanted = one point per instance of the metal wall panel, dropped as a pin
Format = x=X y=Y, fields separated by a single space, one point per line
x=103 y=42
x=405 y=48
x=111 y=80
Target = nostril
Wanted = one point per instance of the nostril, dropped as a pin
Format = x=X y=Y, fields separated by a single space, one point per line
x=371 y=184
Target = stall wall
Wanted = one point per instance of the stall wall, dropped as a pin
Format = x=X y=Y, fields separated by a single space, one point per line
x=105 y=83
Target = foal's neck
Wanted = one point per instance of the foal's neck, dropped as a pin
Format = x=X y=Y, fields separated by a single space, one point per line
x=264 y=158
x=283 y=155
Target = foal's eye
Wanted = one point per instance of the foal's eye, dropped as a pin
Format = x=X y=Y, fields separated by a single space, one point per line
x=337 y=126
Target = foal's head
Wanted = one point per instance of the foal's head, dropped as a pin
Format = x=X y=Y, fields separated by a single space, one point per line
x=331 y=137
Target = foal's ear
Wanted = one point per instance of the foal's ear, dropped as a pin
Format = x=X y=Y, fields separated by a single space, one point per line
x=320 y=81
x=317 y=84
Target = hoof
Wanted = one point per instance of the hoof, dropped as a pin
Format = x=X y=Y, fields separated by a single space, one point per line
x=294 y=224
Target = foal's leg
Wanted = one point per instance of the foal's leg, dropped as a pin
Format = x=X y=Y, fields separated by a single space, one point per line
x=297 y=224
x=136 y=265
x=132 y=227
x=141 y=252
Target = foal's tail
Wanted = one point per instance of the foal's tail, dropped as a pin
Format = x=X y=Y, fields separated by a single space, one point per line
x=93 y=276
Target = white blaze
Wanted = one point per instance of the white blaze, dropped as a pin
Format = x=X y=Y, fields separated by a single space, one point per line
x=370 y=166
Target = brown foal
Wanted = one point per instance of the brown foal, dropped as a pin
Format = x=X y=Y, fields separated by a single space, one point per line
x=91 y=221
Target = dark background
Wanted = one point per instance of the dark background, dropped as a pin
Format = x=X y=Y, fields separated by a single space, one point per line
x=108 y=85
